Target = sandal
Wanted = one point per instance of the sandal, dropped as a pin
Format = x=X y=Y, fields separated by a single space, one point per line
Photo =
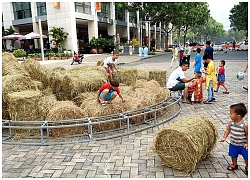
x=232 y=167
x=226 y=92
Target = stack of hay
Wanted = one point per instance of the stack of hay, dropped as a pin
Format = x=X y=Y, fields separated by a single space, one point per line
x=126 y=75
x=65 y=110
x=186 y=142
x=159 y=75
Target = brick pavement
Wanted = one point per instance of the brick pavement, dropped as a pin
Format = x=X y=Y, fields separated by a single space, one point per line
x=129 y=156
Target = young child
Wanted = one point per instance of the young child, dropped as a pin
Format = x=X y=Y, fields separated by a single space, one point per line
x=197 y=61
x=197 y=95
x=239 y=135
x=221 y=77
x=181 y=56
x=210 y=79
x=110 y=64
x=108 y=91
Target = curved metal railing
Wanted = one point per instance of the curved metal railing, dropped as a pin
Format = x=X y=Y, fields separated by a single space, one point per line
x=90 y=129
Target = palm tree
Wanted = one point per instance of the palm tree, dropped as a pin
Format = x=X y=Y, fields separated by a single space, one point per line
x=7 y=32
x=58 y=35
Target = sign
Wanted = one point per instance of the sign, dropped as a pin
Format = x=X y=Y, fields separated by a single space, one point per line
x=56 y=5
x=98 y=6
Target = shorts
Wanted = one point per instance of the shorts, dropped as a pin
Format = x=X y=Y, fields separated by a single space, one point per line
x=179 y=86
x=234 y=151
x=109 y=70
x=220 y=83
x=108 y=97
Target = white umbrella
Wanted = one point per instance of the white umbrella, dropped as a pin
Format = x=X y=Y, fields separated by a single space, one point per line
x=33 y=35
x=13 y=36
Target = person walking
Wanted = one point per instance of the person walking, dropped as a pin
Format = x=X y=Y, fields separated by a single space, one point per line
x=209 y=50
x=221 y=78
x=174 y=56
x=187 y=53
x=238 y=128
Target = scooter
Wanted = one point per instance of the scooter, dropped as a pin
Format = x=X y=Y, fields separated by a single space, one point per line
x=77 y=58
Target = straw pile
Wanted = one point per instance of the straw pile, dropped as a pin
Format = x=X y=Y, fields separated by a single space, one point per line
x=186 y=142
x=29 y=105
x=16 y=83
x=142 y=74
x=37 y=71
x=11 y=66
x=126 y=75
x=63 y=110
x=98 y=63
x=159 y=75
x=83 y=96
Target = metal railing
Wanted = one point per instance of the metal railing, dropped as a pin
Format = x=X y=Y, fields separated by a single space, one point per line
x=90 y=129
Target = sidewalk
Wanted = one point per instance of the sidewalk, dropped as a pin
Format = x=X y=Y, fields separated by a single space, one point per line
x=131 y=156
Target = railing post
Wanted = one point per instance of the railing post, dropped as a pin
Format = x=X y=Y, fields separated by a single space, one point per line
x=90 y=130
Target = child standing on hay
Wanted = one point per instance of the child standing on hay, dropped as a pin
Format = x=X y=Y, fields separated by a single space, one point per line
x=239 y=135
x=210 y=79
x=197 y=95
x=110 y=64
x=221 y=77
x=108 y=92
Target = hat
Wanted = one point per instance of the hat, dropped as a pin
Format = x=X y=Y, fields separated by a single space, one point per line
x=208 y=42
x=187 y=42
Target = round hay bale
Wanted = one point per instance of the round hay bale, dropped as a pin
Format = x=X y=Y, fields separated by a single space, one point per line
x=11 y=66
x=126 y=75
x=16 y=83
x=59 y=69
x=63 y=110
x=81 y=97
x=158 y=75
x=186 y=142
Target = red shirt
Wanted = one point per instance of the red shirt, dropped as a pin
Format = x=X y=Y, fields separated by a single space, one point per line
x=108 y=86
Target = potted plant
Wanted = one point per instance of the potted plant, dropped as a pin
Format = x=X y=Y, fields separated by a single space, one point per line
x=19 y=53
x=38 y=56
x=101 y=44
x=93 y=45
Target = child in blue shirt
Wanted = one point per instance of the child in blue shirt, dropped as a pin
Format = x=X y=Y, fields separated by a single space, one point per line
x=197 y=61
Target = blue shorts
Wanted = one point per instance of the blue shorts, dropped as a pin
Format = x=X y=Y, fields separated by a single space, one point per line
x=108 y=97
x=234 y=151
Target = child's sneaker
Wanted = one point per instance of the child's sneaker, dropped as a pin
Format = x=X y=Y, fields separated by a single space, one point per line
x=103 y=103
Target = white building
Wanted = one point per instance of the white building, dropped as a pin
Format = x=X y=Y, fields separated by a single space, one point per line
x=80 y=19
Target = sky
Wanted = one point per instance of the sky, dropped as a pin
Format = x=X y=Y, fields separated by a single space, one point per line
x=220 y=11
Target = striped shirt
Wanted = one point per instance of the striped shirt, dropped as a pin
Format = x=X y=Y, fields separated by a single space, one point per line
x=238 y=135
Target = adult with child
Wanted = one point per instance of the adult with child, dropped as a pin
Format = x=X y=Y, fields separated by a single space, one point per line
x=110 y=64
x=187 y=53
x=209 y=50
x=197 y=61
x=221 y=77
x=210 y=79
x=238 y=130
x=174 y=56
x=178 y=82
x=108 y=91
x=196 y=85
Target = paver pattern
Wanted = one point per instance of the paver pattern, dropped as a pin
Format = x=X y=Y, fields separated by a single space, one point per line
x=130 y=156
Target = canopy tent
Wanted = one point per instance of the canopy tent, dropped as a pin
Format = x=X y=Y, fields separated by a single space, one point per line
x=13 y=36
x=33 y=35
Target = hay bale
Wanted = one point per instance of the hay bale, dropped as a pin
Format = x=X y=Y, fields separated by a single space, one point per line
x=29 y=105
x=142 y=74
x=11 y=66
x=186 y=142
x=63 y=110
x=159 y=75
x=83 y=96
x=99 y=62
x=55 y=83
x=126 y=75
x=16 y=83
x=37 y=71
x=59 y=69
x=5 y=111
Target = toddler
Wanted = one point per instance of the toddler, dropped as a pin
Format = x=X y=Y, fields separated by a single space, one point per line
x=221 y=78
x=197 y=95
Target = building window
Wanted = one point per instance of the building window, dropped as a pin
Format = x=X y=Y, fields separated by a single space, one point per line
x=83 y=7
x=105 y=10
x=132 y=17
x=119 y=14
x=21 y=10
x=41 y=8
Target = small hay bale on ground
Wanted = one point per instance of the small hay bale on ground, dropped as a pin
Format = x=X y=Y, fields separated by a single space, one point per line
x=126 y=75
x=64 y=110
x=37 y=71
x=186 y=142
x=16 y=83
x=11 y=66
x=159 y=75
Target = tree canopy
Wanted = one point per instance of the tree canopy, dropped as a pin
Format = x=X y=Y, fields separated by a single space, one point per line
x=239 y=17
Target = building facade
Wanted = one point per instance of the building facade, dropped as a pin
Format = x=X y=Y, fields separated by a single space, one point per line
x=81 y=20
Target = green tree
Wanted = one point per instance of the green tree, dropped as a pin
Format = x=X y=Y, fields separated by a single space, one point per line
x=58 y=35
x=239 y=17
